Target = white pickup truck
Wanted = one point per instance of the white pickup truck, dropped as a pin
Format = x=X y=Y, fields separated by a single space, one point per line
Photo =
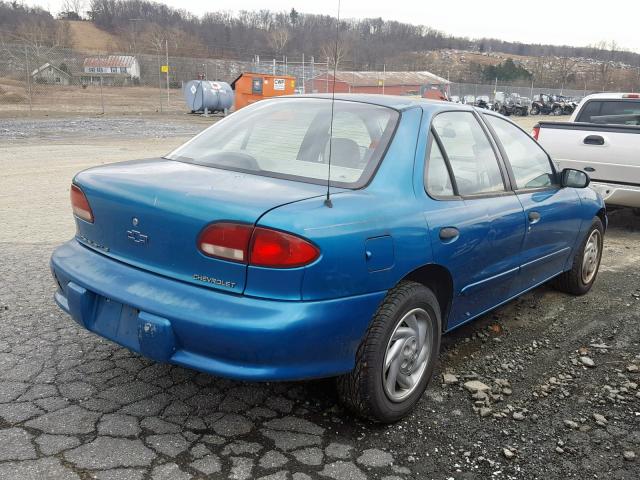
x=602 y=138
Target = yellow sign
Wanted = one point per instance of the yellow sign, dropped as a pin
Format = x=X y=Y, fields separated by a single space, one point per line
x=164 y=68
x=380 y=82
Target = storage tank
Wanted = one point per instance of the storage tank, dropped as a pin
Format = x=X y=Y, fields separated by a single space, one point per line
x=204 y=94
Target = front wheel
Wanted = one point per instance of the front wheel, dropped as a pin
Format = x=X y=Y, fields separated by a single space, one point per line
x=586 y=262
x=535 y=110
x=396 y=358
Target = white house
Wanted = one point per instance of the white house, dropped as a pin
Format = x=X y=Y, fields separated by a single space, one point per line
x=111 y=69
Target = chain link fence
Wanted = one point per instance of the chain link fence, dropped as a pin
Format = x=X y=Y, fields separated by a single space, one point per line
x=471 y=89
x=57 y=80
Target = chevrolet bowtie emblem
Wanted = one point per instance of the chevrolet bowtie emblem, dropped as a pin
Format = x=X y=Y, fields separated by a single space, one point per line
x=137 y=237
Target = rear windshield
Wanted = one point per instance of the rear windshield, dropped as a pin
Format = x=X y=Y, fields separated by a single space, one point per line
x=617 y=112
x=289 y=138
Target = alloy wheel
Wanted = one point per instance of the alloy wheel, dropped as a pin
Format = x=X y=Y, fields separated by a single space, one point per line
x=591 y=257
x=406 y=356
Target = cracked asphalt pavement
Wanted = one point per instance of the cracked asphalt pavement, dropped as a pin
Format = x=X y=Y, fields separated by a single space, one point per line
x=545 y=387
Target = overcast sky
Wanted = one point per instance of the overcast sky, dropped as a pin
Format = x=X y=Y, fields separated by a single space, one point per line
x=566 y=22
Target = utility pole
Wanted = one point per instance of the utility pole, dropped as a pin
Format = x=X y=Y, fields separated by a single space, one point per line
x=26 y=67
x=159 y=77
x=303 y=87
x=166 y=51
x=531 y=87
x=327 y=74
x=384 y=75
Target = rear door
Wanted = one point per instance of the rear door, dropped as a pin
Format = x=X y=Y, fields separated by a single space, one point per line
x=552 y=213
x=476 y=222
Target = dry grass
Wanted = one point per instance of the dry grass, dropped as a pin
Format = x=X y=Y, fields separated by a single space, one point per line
x=86 y=37
x=75 y=99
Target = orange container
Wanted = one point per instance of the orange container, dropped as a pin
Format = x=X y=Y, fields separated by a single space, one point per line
x=253 y=87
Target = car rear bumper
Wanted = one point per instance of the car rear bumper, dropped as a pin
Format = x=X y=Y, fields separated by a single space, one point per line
x=197 y=327
x=617 y=194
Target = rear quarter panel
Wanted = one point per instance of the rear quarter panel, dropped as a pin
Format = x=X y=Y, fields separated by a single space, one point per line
x=385 y=208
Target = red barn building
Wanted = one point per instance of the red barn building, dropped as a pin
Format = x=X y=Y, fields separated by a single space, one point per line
x=388 y=83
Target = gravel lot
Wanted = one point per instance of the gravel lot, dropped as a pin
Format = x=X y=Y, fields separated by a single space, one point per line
x=543 y=388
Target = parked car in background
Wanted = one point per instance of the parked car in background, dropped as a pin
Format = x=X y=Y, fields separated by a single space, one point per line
x=469 y=99
x=300 y=238
x=455 y=99
x=602 y=138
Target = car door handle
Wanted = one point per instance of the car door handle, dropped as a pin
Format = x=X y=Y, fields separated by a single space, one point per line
x=593 y=140
x=534 y=217
x=589 y=169
x=449 y=234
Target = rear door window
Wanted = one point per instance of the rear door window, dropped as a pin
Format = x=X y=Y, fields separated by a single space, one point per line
x=436 y=175
x=470 y=154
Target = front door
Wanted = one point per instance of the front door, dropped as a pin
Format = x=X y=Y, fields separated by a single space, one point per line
x=552 y=213
x=476 y=222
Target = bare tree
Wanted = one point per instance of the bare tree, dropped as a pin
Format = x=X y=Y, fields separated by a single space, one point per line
x=73 y=8
x=563 y=68
x=336 y=52
x=607 y=56
x=278 y=39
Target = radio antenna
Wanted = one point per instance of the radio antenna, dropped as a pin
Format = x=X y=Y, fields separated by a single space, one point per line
x=327 y=200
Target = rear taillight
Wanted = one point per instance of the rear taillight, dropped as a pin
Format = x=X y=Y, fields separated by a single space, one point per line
x=259 y=246
x=80 y=204
x=631 y=95
x=271 y=248
x=535 y=133
x=229 y=241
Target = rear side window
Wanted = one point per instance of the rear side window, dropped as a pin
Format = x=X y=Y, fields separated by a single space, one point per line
x=436 y=175
x=616 y=112
x=530 y=164
x=471 y=157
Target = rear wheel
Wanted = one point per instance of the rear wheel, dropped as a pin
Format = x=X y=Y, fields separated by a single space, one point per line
x=557 y=111
x=535 y=110
x=396 y=358
x=586 y=262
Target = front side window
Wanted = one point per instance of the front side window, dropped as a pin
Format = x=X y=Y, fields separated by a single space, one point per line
x=290 y=138
x=472 y=159
x=530 y=164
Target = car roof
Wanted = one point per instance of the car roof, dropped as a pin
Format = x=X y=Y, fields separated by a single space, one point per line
x=608 y=96
x=396 y=102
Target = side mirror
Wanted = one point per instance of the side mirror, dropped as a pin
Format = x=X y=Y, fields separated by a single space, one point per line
x=574 y=178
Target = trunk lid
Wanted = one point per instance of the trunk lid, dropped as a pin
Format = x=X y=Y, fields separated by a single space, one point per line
x=149 y=213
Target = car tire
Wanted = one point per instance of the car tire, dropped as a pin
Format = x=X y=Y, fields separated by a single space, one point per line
x=586 y=262
x=370 y=389
x=535 y=110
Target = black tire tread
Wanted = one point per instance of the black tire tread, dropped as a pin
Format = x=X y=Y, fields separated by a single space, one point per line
x=570 y=281
x=352 y=387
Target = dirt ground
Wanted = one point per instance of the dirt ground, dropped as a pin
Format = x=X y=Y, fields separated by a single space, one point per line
x=75 y=406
